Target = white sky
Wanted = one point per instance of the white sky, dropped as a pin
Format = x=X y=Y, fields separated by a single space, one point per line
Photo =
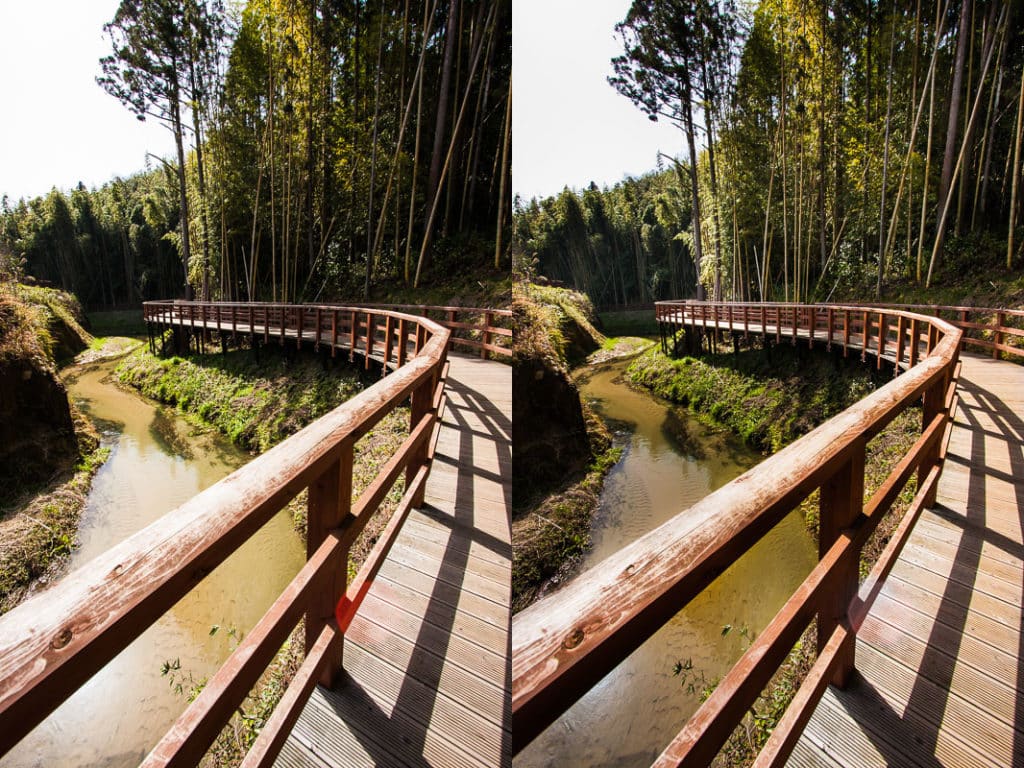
x=57 y=126
x=569 y=127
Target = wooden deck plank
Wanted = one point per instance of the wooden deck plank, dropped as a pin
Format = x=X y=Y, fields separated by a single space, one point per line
x=427 y=668
x=940 y=678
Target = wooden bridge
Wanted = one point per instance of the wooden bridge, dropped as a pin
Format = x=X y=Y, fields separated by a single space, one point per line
x=407 y=664
x=924 y=654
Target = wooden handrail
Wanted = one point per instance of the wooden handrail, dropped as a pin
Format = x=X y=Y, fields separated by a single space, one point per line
x=464 y=333
x=486 y=331
x=52 y=643
x=989 y=335
x=565 y=643
x=997 y=328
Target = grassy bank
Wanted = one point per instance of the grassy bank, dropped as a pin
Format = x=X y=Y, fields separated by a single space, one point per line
x=550 y=536
x=771 y=403
x=257 y=405
x=767 y=399
x=634 y=322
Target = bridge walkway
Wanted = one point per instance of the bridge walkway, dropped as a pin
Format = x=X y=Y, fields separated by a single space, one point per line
x=939 y=677
x=427 y=665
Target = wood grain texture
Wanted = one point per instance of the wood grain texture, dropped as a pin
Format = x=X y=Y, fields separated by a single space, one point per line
x=939 y=674
x=427 y=667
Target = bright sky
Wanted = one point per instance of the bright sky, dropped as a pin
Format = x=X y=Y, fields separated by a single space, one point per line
x=57 y=126
x=569 y=127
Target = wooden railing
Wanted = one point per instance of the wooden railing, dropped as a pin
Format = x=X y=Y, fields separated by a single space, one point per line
x=986 y=328
x=565 y=643
x=51 y=644
x=476 y=328
x=358 y=328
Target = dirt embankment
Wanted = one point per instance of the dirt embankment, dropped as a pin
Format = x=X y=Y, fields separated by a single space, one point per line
x=38 y=328
x=562 y=450
x=48 y=451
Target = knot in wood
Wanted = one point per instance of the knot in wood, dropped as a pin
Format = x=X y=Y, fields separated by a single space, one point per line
x=62 y=639
x=573 y=639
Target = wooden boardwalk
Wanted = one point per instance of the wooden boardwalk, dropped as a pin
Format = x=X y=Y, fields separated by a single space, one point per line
x=427 y=675
x=939 y=679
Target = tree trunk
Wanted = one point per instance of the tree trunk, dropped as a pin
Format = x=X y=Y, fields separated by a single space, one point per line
x=1015 y=174
x=696 y=218
x=186 y=251
x=441 y=122
x=953 y=123
x=504 y=174
x=885 y=160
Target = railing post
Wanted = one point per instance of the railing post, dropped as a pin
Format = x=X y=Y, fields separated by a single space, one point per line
x=883 y=332
x=915 y=339
x=1000 y=322
x=900 y=332
x=389 y=333
x=329 y=504
x=352 y=336
x=841 y=500
x=420 y=407
x=934 y=405
x=488 y=320
x=368 y=341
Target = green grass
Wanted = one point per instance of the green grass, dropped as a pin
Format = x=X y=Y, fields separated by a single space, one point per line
x=255 y=405
x=767 y=403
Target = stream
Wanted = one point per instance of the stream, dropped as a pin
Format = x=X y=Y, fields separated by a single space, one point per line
x=156 y=463
x=669 y=462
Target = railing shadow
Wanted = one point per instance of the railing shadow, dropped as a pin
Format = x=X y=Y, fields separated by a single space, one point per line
x=407 y=725
x=918 y=728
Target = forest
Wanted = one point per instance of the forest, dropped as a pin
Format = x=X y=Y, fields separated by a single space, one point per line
x=831 y=148
x=323 y=147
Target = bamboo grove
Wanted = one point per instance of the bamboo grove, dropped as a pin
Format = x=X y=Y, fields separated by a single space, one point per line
x=830 y=145
x=324 y=146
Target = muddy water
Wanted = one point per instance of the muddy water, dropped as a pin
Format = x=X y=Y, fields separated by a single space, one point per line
x=669 y=462
x=155 y=464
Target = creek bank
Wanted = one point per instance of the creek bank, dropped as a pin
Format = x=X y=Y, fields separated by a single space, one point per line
x=49 y=451
x=562 y=448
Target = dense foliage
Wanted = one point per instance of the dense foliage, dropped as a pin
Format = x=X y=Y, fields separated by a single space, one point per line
x=326 y=146
x=843 y=145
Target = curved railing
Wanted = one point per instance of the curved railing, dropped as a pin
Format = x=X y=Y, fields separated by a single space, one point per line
x=362 y=329
x=475 y=328
x=565 y=643
x=51 y=644
x=985 y=328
